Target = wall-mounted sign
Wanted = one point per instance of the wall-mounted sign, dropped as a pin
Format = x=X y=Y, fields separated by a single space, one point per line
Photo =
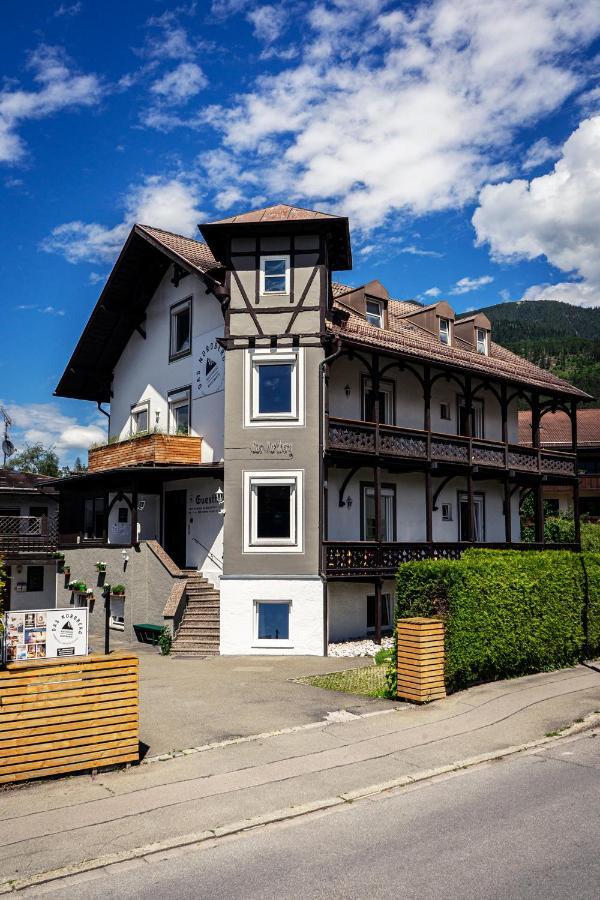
x=45 y=634
x=272 y=448
x=209 y=364
x=203 y=503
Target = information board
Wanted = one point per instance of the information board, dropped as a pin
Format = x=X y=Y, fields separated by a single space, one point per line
x=45 y=633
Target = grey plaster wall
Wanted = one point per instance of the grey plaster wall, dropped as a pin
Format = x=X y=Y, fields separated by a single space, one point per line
x=147 y=584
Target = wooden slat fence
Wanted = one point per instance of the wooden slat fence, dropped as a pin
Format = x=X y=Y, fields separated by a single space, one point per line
x=60 y=716
x=421 y=659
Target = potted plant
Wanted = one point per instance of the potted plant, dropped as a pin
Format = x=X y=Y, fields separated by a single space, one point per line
x=79 y=587
x=118 y=590
x=66 y=570
x=100 y=566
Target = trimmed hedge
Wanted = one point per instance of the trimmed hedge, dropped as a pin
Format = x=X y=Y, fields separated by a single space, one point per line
x=507 y=612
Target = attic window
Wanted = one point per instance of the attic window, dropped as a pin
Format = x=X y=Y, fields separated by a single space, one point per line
x=374 y=313
x=482 y=341
x=274 y=274
x=445 y=331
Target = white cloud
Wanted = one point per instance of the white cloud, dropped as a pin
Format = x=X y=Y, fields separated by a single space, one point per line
x=45 y=423
x=539 y=153
x=432 y=292
x=59 y=88
x=66 y=9
x=169 y=203
x=96 y=278
x=556 y=216
x=46 y=310
x=170 y=40
x=466 y=285
x=418 y=251
x=268 y=22
x=179 y=85
x=406 y=111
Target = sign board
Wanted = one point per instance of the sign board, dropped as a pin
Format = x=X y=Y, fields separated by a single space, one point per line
x=209 y=364
x=45 y=633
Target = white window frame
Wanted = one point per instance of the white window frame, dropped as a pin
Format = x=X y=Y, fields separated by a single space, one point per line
x=276 y=356
x=387 y=388
x=388 y=503
x=482 y=345
x=478 y=504
x=445 y=408
x=478 y=423
x=272 y=642
x=117 y=623
x=447 y=331
x=371 y=315
x=142 y=406
x=446 y=512
x=293 y=544
x=263 y=261
x=174 y=311
x=176 y=399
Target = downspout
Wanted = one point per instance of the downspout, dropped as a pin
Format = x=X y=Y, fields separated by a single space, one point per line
x=322 y=529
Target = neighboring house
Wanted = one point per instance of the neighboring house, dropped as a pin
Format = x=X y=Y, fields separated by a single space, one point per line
x=28 y=538
x=292 y=438
x=556 y=434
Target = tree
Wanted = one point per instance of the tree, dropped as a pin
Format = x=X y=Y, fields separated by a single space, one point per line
x=37 y=459
x=78 y=466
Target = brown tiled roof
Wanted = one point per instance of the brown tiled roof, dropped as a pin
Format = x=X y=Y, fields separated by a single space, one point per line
x=407 y=338
x=280 y=212
x=555 y=428
x=196 y=253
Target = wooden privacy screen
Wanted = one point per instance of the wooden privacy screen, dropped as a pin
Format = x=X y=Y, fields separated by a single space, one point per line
x=59 y=716
x=421 y=660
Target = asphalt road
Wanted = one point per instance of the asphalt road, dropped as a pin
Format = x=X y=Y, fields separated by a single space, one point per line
x=525 y=827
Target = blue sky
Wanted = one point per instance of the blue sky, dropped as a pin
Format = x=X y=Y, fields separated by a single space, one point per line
x=461 y=138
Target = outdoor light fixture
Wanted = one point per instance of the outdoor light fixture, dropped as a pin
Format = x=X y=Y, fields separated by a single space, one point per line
x=348 y=501
x=347 y=390
x=219 y=496
x=141 y=505
x=157 y=415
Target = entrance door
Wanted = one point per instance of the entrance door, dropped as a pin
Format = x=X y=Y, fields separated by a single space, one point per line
x=174 y=540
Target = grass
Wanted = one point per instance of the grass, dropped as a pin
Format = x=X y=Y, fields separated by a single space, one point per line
x=366 y=681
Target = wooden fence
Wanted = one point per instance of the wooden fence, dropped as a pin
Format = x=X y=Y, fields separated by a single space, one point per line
x=67 y=715
x=421 y=660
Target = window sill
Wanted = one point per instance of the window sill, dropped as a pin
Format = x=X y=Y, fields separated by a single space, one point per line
x=272 y=548
x=279 y=645
x=177 y=356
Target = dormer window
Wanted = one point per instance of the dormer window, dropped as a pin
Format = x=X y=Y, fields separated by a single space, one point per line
x=481 y=340
x=445 y=334
x=374 y=313
x=274 y=274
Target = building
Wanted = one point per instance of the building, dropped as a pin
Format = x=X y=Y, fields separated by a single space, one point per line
x=292 y=438
x=556 y=434
x=28 y=540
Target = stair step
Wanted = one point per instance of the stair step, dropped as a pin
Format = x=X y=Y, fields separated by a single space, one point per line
x=191 y=654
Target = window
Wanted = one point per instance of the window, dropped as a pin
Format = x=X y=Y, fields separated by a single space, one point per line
x=272 y=620
x=274 y=274
x=445 y=411
x=273 y=389
x=273 y=519
x=386 y=401
x=40 y=512
x=387 y=513
x=94 y=521
x=117 y=614
x=478 y=517
x=179 y=411
x=482 y=340
x=374 y=313
x=140 y=417
x=372 y=612
x=445 y=333
x=123 y=515
x=181 y=329
x=447 y=512
x=35 y=578
x=477 y=425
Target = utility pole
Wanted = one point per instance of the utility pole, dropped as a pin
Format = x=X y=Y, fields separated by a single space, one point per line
x=8 y=448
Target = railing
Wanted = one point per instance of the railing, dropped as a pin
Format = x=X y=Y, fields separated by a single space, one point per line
x=371 y=558
x=28 y=534
x=354 y=437
x=149 y=449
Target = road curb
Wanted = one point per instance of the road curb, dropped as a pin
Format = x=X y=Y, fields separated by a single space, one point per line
x=293 y=812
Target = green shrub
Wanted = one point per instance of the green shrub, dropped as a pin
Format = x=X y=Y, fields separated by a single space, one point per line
x=590 y=536
x=507 y=613
x=118 y=590
x=165 y=641
x=382 y=656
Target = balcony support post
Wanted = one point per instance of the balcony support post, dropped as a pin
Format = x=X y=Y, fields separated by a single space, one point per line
x=428 y=506
x=538 y=494
x=134 y=514
x=507 y=512
x=504 y=414
x=576 y=520
x=378 y=598
x=427 y=408
x=573 y=417
x=470 y=507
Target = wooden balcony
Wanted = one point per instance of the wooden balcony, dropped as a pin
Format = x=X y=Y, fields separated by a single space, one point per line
x=371 y=559
x=356 y=438
x=28 y=535
x=149 y=450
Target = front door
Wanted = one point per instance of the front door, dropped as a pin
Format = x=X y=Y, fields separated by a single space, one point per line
x=175 y=524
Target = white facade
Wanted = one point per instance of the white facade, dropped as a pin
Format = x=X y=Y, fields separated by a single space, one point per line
x=20 y=598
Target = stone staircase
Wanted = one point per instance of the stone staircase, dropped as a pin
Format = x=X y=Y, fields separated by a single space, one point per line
x=199 y=632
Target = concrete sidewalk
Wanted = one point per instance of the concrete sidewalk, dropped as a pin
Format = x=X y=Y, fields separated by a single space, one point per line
x=54 y=824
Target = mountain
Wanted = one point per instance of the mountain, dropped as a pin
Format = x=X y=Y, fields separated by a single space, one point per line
x=557 y=336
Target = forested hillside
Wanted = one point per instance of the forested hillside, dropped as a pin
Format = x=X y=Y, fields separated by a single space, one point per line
x=558 y=336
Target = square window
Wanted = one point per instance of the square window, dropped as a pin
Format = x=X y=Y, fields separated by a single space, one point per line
x=140 y=418
x=273 y=387
x=181 y=329
x=374 y=313
x=272 y=519
x=123 y=514
x=274 y=274
x=482 y=342
x=35 y=578
x=273 y=620
x=179 y=412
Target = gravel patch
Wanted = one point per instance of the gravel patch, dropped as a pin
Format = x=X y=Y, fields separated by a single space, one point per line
x=359 y=648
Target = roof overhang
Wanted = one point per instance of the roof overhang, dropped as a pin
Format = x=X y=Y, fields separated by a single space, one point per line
x=144 y=477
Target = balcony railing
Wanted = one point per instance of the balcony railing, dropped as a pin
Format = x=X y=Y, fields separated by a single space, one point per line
x=27 y=535
x=369 y=558
x=365 y=438
x=150 y=450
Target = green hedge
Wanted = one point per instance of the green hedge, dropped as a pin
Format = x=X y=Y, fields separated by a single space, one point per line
x=507 y=612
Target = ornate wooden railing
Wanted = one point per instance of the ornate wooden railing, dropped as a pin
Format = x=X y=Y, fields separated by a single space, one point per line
x=371 y=558
x=355 y=437
x=28 y=534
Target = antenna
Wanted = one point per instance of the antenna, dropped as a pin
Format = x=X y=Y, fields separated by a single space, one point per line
x=8 y=448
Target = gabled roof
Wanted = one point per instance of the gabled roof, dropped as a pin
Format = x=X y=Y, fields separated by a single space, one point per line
x=555 y=428
x=141 y=266
x=280 y=212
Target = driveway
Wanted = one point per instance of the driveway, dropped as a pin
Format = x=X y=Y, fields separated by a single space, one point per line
x=187 y=703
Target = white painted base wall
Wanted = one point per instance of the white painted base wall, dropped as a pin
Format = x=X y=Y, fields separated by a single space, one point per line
x=238 y=599
x=46 y=599
x=347 y=608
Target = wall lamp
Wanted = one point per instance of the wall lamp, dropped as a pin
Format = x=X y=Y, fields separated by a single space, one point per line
x=347 y=390
x=348 y=502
